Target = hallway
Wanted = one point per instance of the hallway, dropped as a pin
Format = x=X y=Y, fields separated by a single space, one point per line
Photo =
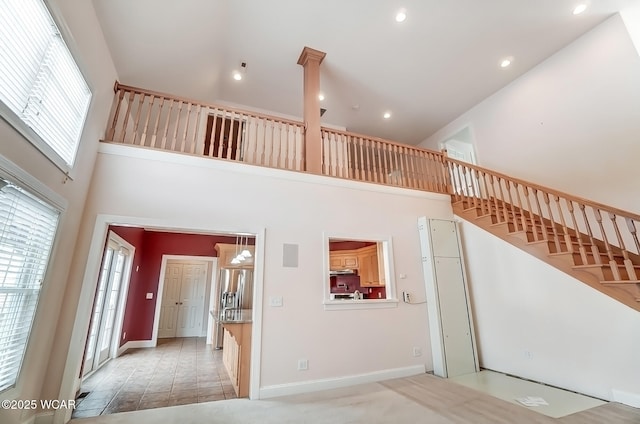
x=177 y=372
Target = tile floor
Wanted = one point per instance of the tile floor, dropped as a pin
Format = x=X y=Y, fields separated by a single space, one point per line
x=176 y=372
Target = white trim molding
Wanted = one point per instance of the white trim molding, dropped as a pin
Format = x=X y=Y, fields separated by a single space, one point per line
x=337 y=382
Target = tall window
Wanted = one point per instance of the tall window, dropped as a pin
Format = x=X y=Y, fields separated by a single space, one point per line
x=42 y=92
x=27 y=230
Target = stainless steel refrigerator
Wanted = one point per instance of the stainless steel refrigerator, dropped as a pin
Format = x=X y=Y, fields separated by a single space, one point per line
x=235 y=292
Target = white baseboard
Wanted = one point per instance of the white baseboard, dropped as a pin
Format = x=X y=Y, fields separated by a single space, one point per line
x=133 y=344
x=334 y=383
x=627 y=398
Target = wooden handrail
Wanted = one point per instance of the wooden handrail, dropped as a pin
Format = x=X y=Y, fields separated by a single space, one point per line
x=548 y=190
x=118 y=86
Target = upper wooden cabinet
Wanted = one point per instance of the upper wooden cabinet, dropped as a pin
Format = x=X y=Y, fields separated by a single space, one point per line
x=343 y=259
x=226 y=253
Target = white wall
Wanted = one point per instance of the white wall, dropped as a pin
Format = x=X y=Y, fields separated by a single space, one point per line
x=45 y=344
x=578 y=338
x=571 y=123
x=190 y=192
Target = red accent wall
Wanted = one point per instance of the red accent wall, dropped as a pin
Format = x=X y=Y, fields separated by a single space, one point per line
x=150 y=246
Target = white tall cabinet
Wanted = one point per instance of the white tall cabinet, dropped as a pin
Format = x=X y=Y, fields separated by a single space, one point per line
x=448 y=306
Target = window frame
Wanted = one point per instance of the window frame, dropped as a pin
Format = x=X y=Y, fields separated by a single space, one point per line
x=25 y=130
x=11 y=172
x=391 y=301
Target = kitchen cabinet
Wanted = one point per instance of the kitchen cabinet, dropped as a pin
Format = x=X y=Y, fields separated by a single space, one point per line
x=226 y=253
x=236 y=355
x=343 y=259
x=369 y=269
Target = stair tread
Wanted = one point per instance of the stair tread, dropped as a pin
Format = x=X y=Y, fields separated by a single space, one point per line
x=606 y=265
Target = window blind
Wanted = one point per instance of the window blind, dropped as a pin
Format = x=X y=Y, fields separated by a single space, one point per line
x=27 y=230
x=41 y=83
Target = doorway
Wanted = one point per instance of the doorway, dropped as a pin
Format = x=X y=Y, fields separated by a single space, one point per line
x=108 y=308
x=223 y=138
x=183 y=299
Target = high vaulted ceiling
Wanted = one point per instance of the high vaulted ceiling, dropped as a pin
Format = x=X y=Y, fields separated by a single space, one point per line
x=426 y=71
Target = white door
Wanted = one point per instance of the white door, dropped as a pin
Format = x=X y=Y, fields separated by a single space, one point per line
x=182 y=310
x=105 y=307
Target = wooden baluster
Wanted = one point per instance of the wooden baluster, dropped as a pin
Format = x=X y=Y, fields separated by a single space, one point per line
x=612 y=263
x=359 y=163
x=510 y=206
x=504 y=213
x=486 y=198
x=411 y=158
x=473 y=178
x=543 y=226
x=275 y=145
x=143 y=137
x=581 y=248
x=367 y=158
x=523 y=217
x=554 y=230
x=116 y=116
x=175 y=131
x=288 y=162
x=429 y=177
x=228 y=135
x=594 y=247
x=136 y=122
x=406 y=175
x=194 y=140
x=154 y=136
x=496 y=207
x=532 y=216
x=186 y=128
x=567 y=237
x=374 y=161
x=628 y=265
x=166 y=126
x=218 y=127
x=301 y=151
x=631 y=225
x=272 y=151
x=123 y=133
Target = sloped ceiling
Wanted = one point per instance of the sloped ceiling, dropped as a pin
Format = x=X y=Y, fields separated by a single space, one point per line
x=427 y=70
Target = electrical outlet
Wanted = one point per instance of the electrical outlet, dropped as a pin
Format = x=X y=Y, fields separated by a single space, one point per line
x=417 y=351
x=275 y=301
x=406 y=297
x=303 y=364
x=124 y=335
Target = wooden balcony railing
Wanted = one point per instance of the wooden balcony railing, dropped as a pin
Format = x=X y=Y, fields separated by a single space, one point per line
x=594 y=233
x=149 y=119
x=363 y=158
x=155 y=120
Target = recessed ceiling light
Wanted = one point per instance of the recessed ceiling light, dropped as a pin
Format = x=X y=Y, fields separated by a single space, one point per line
x=505 y=63
x=387 y=115
x=579 y=9
x=237 y=75
x=401 y=16
x=321 y=97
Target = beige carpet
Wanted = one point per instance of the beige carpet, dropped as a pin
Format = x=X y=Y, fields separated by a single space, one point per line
x=419 y=399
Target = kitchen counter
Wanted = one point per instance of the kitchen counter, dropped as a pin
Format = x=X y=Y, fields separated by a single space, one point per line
x=233 y=316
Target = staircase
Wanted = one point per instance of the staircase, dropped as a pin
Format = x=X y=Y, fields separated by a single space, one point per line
x=584 y=239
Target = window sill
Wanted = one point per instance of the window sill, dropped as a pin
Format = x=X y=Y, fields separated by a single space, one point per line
x=340 y=305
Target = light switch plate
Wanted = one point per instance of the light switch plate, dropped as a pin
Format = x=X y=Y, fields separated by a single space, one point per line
x=149 y=295
x=275 y=301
